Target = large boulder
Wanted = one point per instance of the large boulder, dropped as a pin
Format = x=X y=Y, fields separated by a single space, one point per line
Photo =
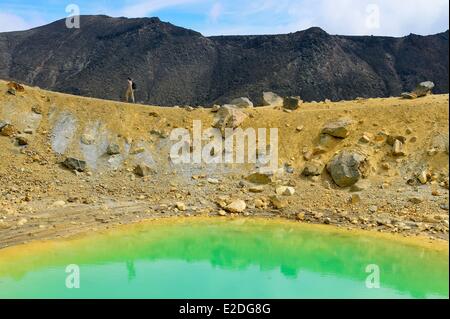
x=339 y=128
x=229 y=117
x=272 y=99
x=347 y=167
x=424 y=88
x=292 y=102
x=242 y=102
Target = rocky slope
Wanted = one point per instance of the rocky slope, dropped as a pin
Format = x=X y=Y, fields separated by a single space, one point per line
x=395 y=165
x=176 y=66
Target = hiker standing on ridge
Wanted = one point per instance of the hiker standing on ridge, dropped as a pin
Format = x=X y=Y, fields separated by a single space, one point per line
x=130 y=90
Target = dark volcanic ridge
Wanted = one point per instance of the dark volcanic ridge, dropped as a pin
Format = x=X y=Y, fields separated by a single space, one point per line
x=176 y=66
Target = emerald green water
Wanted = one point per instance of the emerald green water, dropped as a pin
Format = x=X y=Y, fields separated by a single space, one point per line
x=214 y=258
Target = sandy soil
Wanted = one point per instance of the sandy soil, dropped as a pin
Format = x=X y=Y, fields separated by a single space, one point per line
x=41 y=199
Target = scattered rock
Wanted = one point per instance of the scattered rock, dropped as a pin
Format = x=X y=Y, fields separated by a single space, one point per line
x=213 y=181
x=75 y=164
x=339 y=128
x=143 y=170
x=11 y=91
x=222 y=213
x=236 y=206
x=347 y=167
x=159 y=133
x=215 y=108
x=361 y=186
x=181 y=206
x=87 y=139
x=289 y=169
x=390 y=139
x=300 y=128
x=319 y=150
x=22 y=222
x=229 y=118
x=260 y=203
x=16 y=86
x=409 y=96
x=242 y=102
x=8 y=130
x=313 y=168
x=416 y=199
x=373 y=209
x=272 y=99
x=398 y=149
x=259 y=178
x=327 y=141
x=113 y=149
x=22 y=141
x=432 y=152
x=278 y=203
x=366 y=138
x=423 y=177
x=383 y=221
x=4 y=225
x=36 y=109
x=423 y=89
x=355 y=199
x=307 y=155
x=285 y=190
x=256 y=189
x=137 y=150
x=292 y=103
x=300 y=216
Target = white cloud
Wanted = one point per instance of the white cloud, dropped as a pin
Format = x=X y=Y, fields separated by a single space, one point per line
x=143 y=8
x=346 y=17
x=396 y=18
x=12 y=22
x=215 y=12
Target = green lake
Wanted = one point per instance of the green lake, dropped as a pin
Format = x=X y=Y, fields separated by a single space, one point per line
x=221 y=258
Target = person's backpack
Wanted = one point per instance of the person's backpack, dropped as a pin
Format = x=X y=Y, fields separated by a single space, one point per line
x=134 y=86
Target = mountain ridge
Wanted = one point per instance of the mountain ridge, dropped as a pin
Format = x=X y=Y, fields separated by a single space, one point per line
x=175 y=66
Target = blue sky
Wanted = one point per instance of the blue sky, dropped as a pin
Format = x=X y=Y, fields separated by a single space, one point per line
x=215 y=17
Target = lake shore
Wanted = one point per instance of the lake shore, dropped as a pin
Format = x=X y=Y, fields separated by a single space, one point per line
x=66 y=230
